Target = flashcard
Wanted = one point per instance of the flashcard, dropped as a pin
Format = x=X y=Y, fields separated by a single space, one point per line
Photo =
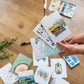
x=63 y=7
x=21 y=63
x=40 y=62
x=58 y=67
x=56 y=27
x=59 y=81
x=26 y=77
x=40 y=31
x=72 y=60
x=7 y=76
x=42 y=50
x=42 y=75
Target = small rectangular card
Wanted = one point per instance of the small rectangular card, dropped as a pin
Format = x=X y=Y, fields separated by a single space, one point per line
x=26 y=77
x=58 y=67
x=21 y=63
x=59 y=81
x=40 y=31
x=56 y=27
x=40 y=62
x=7 y=76
x=72 y=60
x=63 y=7
x=42 y=75
x=42 y=50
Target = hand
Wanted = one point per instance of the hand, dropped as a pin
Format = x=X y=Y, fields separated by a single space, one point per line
x=70 y=49
x=79 y=38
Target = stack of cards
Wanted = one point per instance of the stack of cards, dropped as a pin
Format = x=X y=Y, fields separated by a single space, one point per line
x=63 y=7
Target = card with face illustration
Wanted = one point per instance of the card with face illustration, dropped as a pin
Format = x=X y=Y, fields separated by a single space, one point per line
x=42 y=75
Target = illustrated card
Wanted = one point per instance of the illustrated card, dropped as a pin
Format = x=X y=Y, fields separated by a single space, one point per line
x=40 y=62
x=56 y=27
x=58 y=67
x=41 y=49
x=26 y=77
x=21 y=63
x=40 y=31
x=7 y=76
x=59 y=81
x=42 y=75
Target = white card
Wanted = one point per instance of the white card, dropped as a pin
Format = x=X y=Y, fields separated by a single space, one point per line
x=40 y=31
x=42 y=75
x=59 y=81
x=56 y=27
x=7 y=76
x=40 y=62
x=58 y=67
x=42 y=50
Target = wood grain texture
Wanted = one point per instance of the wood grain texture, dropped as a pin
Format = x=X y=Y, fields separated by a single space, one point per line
x=18 y=18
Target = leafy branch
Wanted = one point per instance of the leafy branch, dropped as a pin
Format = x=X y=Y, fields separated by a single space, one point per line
x=4 y=44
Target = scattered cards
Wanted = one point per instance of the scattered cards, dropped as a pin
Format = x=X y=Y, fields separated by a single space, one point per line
x=26 y=77
x=7 y=76
x=63 y=7
x=40 y=62
x=21 y=63
x=42 y=50
x=59 y=81
x=58 y=67
x=42 y=75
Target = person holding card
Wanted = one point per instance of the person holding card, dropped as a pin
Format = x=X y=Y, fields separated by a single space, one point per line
x=72 y=45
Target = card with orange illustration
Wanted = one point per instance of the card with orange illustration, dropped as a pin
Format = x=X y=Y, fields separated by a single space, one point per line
x=21 y=63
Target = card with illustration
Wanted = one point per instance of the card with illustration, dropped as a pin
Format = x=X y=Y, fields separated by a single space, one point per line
x=72 y=60
x=41 y=49
x=21 y=63
x=56 y=27
x=58 y=67
x=26 y=77
x=40 y=62
x=7 y=76
x=40 y=31
x=42 y=75
x=63 y=7
x=59 y=81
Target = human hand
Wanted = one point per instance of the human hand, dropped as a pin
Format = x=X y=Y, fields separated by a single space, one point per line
x=70 y=49
x=79 y=38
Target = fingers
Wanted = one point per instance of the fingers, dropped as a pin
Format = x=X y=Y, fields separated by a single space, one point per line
x=63 y=46
x=70 y=38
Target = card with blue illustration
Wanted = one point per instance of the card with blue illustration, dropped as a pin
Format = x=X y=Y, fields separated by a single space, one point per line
x=72 y=60
x=40 y=62
x=26 y=77
x=42 y=50
x=42 y=75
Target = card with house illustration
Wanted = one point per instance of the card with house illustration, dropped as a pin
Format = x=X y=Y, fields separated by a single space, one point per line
x=56 y=27
x=21 y=63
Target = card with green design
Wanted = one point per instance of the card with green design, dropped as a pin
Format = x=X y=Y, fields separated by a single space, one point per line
x=21 y=63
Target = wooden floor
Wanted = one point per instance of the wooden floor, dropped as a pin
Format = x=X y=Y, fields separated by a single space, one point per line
x=18 y=18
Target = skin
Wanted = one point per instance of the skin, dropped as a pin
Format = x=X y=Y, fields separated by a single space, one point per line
x=72 y=45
